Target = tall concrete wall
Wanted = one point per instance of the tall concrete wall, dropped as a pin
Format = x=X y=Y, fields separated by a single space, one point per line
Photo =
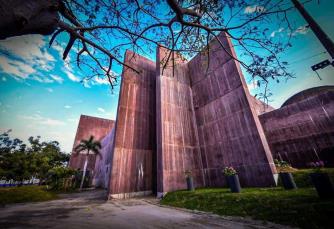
x=132 y=167
x=89 y=126
x=177 y=140
x=303 y=130
x=229 y=130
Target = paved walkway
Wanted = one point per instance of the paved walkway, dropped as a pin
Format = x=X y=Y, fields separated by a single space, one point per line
x=90 y=210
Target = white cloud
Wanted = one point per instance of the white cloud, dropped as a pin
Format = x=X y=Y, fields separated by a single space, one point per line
x=86 y=84
x=68 y=71
x=52 y=122
x=24 y=55
x=17 y=68
x=254 y=9
x=72 y=77
x=49 y=90
x=59 y=48
x=42 y=79
x=101 y=109
x=27 y=55
x=27 y=47
x=57 y=78
x=303 y=29
x=274 y=33
x=99 y=80
x=40 y=120
x=67 y=106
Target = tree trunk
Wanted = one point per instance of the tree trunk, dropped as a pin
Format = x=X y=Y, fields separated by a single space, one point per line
x=84 y=172
x=19 y=17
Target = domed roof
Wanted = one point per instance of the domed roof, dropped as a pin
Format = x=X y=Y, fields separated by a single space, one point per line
x=307 y=93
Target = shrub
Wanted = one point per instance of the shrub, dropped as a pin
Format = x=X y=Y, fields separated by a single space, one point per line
x=58 y=176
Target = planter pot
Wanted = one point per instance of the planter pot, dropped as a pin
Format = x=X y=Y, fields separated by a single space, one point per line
x=190 y=184
x=322 y=184
x=287 y=181
x=233 y=183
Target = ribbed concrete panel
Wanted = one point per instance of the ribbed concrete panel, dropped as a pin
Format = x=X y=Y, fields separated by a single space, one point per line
x=302 y=131
x=97 y=127
x=229 y=130
x=178 y=148
x=132 y=170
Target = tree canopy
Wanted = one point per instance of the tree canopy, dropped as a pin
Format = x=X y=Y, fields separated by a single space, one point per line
x=19 y=161
x=100 y=30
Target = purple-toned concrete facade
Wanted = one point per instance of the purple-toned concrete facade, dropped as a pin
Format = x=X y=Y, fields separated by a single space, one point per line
x=134 y=153
x=215 y=126
x=89 y=126
x=174 y=116
x=230 y=133
x=302 y=130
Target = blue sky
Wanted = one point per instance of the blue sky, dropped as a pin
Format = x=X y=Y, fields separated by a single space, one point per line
x=40 y=94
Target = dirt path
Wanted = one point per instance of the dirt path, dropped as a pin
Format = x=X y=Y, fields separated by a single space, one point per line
x=90 y=210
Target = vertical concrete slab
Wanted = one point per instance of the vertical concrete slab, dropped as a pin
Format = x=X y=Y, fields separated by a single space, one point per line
x=229 y=130
x=177 y=140
x=132 y=169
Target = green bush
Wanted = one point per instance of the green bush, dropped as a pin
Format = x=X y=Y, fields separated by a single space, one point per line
x=57 y=177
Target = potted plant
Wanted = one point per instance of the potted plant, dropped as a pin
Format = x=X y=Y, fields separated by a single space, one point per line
x=189 y=179
x=284 y=169
x=321 y=180
x=232 y=179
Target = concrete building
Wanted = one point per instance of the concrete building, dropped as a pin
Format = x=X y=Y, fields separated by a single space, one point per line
x=302 y=130
x=175 y=116
x=89 y=126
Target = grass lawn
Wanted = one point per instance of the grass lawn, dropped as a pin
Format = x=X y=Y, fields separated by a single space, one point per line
x=25 y=194
x=300 y=207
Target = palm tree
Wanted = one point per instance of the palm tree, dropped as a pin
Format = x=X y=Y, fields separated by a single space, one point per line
x=87 y=146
